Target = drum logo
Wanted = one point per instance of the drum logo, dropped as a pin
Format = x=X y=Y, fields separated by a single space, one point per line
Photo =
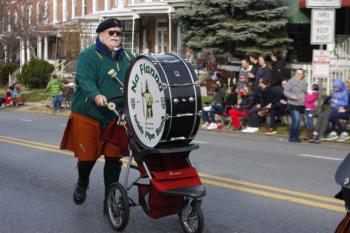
x=177 y=73
x=147 y=96
x=146 y=102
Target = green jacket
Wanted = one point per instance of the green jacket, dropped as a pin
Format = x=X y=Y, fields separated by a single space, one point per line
x=55 y=87
x=92 y=78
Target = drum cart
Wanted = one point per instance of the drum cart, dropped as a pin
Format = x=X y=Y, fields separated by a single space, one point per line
x=151 y=164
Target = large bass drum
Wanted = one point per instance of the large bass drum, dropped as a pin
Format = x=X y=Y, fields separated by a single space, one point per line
x=163 y=100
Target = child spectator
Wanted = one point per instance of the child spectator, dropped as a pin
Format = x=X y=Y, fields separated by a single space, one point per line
x=8 y=99
x=55 y=87
x=310 y=105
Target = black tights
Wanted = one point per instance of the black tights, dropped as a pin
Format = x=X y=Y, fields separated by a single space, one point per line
x=111 y=172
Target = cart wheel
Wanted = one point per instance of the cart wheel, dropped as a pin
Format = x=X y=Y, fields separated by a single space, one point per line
x=117 y=207
x=191 y=218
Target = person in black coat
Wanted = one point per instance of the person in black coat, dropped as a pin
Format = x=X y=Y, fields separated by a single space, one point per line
x=277 y=71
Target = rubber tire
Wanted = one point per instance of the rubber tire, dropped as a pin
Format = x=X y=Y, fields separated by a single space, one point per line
x=125 y=207
x=196 y=207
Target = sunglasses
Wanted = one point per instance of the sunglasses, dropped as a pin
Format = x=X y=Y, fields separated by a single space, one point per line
x=116 y=33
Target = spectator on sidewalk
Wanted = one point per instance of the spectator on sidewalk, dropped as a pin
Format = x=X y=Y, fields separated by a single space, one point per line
x=277 y=70
x=55 y=87
x=310 y=105
x=263 y=71
x=336 y=118
x=253 y=60
x=243 y=75
x=338 y=100
x=264 y=98
x=295 y=92
x=216 y=107
x=278 y=108
x=245 y=104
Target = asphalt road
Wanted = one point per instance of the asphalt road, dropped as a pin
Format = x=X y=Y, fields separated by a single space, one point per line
x=255 y=184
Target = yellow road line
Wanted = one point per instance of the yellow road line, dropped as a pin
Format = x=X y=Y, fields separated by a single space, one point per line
x=29 y=142
x=52 y=148
x=276 y=196
x=271 y=188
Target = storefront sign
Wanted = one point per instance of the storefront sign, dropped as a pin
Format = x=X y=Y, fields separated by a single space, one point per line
x=323 y=3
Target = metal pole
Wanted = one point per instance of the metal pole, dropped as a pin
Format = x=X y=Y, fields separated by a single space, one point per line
x=170 y=32
x=133 y=31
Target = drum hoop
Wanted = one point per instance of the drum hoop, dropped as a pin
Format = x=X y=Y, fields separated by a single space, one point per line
x=195 y=93
x=170 y=94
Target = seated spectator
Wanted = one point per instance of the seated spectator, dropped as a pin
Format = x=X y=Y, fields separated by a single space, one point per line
x=216 y=107
x=230 y=98
x=8 y=99
x=311 y=98
x=338 y=100
x=245 y=104
x=264 y=98
x=343 y=113
x=278 y=107
x=336 y=118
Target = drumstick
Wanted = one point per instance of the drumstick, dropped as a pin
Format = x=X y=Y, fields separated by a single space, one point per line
x=111 y=106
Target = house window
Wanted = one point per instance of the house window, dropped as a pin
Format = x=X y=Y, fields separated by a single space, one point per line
x=162 y=37
x=84 y=7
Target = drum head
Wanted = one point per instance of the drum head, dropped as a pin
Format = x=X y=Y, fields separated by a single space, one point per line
x=146 y=106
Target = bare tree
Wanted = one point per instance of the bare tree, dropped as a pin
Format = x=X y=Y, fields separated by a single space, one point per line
x=19 y=20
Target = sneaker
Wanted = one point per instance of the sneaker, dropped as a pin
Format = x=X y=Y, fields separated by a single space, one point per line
x=246 y=130
x=343 y=137
x=332 y=136
x=252 y=130
x=205 y=125
x=212 y=126
x=271 y=131
x=315 y=139
x=79 y=194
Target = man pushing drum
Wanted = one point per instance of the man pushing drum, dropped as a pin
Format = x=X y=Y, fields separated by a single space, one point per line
x=100 y=72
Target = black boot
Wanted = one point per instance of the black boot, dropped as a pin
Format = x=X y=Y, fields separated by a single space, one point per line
x=84 y=170
x=111 y=174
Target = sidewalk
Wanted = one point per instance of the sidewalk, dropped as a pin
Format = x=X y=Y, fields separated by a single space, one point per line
x=42 y=107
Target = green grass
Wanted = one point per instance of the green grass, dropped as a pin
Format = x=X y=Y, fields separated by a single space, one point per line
x=35 y=95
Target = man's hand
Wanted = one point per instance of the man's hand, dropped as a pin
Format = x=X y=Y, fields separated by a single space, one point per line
x=100 y=100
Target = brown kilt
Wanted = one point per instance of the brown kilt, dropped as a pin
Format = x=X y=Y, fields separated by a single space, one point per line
x=82 y=136
x=344 y=225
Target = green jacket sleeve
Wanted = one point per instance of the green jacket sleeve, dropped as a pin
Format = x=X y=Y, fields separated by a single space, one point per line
x=87 y=76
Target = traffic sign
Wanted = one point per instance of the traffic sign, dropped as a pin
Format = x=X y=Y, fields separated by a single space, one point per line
x=323 y=3
x=322 y=26
x=321 y=60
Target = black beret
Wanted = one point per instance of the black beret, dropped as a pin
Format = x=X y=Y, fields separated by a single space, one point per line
x=108 y=23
